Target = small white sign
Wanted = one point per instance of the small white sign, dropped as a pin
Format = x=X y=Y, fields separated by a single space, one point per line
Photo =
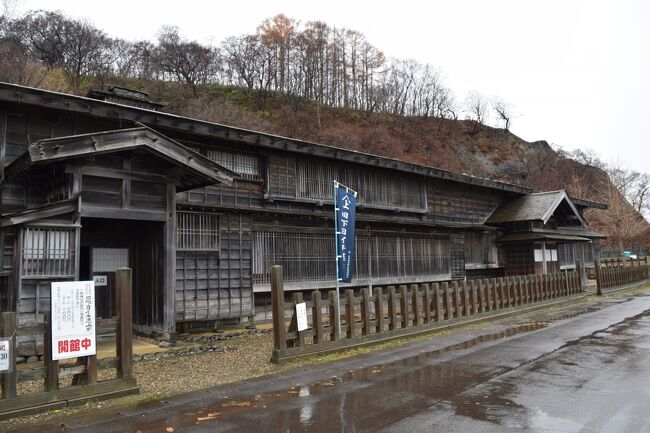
x=4 y=355
x=301 y=316
x=100 y=280
x=73 y=319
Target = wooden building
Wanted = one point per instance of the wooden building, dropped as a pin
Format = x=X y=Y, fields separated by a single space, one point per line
x=200 y=211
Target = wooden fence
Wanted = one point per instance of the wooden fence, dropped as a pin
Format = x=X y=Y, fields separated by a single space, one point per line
x=611 y=274
x=395 y=311
x=84 y=384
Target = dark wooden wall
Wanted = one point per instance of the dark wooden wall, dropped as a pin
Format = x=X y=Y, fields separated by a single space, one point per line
x=214 y=285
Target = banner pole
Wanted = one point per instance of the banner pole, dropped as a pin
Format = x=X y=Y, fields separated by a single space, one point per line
x=336 y=258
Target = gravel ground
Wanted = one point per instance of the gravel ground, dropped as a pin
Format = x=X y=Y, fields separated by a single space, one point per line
x=244 y=357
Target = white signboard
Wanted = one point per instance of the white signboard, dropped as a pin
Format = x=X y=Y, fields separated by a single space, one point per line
x=100 y=280
x=73 y=319
x=301 y=316
x=4 y=355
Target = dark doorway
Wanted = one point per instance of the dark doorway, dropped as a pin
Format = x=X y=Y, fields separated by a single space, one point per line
x=108 y=244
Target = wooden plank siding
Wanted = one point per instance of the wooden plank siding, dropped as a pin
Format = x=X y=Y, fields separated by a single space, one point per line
x=217 y=284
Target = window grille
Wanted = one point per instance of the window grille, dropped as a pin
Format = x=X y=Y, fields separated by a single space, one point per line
x=480 y=249
x=315 y=181
x=110 y=259
x=48 y=252
x=247 y=166
x=310 y=256
x=197 y=231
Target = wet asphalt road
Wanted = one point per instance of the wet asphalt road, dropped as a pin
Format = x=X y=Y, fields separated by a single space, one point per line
x=589 y=373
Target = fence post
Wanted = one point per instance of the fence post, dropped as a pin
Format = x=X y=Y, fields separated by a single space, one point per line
x=8 y=330
x=277 y=306
x=392 y=309
x=300 y=335
x=599 y=288
x=51 y=366
x=317 y=317
x=365 y=311
x=438 y=302
x=124 y=292
x=379 y=310
x=416 y=305
x=404 y=305
x=427 y=302
x=335 y=324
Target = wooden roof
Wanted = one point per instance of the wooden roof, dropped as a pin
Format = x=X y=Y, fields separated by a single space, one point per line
x=195 y=169
x=535 y=207
x=79 y=104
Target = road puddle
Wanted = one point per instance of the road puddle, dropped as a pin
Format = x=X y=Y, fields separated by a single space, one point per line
x=412 y=373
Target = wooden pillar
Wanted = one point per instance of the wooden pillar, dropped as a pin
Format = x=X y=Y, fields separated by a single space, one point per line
x=404 y=305
x=317 y=317
x=169 y=281
x=51 y=366
x=392 y=308
x=277 y=305
x=124 y=297
x=349 y=313
x=335 y=323
x=8 y=331
x=416 y=297
x=599 y=281
x=379 y=310
x=365 y=310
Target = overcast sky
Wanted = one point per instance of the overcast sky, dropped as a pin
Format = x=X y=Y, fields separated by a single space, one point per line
x=577 y=72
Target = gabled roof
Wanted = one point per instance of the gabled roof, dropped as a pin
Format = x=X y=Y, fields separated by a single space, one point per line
x=195 y=169
x=534 y=207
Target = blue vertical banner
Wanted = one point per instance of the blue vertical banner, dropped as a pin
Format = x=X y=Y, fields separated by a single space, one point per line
x=345 y=202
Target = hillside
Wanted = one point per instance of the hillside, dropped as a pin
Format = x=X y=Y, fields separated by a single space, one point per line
x=449 y=144
x=457 y=145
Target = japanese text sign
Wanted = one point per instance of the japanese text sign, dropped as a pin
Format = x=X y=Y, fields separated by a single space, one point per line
x=345 y=204
x=73 y=319
x=4 y=355
x=301 y=316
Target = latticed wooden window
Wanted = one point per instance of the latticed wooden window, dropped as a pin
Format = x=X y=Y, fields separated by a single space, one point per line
x=248 y=166
x=48 y=252
x=309 y=257
x=480 y=249
x=197 y=231
x=314 y=181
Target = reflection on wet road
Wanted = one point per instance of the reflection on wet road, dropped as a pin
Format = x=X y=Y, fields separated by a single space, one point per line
x=590 y=373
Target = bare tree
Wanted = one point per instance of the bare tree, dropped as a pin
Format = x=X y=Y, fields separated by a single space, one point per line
x=476 y=108
x=503 y=111
x=186 y=61
x=75 y=46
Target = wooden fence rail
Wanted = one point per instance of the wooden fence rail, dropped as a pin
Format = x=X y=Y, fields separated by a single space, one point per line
x=84 y=384
x=399 y=310
x=609 y=276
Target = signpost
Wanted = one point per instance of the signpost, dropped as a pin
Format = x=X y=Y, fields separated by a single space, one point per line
x=100 y=280
x=73 y=319
x=345 y=201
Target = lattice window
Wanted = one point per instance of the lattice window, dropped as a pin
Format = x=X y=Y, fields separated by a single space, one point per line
x=197 y=231
x=247 y=166
x=310 y=256
x=480 y=249
x=48 y=252
x=314 y=181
